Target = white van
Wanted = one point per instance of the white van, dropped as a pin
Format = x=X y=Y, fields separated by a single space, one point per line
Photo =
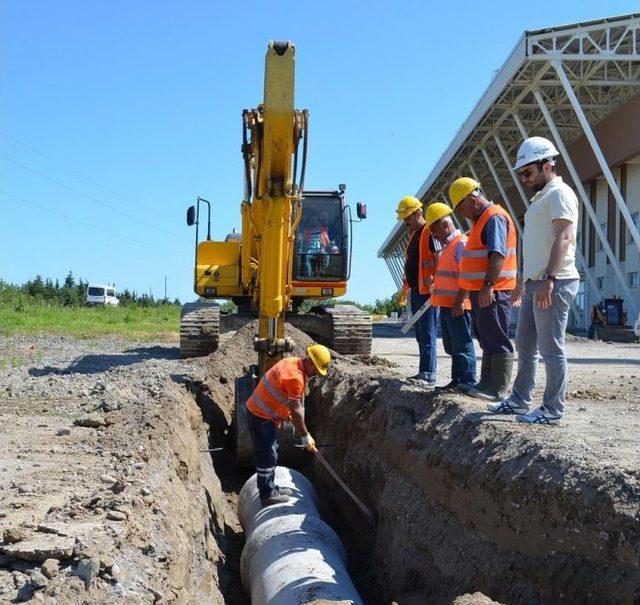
x=98 y=294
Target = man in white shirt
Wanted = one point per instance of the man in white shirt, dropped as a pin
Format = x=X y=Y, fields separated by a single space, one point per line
x=548 y=285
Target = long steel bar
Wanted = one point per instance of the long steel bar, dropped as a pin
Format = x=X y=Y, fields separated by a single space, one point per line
x=587 y=202
x=368 y=514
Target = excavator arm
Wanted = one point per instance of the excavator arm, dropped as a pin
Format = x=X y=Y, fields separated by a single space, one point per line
x=272 y=207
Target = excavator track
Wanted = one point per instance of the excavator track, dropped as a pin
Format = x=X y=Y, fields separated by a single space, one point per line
x=199 y=329
x=343 y=328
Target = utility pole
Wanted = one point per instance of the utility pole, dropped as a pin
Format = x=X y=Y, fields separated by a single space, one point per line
x=165 y=288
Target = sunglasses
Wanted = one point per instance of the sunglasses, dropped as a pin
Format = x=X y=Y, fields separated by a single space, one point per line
x=527 y=172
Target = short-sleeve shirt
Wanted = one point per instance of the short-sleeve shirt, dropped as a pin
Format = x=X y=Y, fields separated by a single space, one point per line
x=494 y=234
x=292 y=380
x=412 y=263
x=555 y=201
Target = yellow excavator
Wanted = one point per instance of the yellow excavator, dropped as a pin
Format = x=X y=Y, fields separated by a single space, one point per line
x=294 y=244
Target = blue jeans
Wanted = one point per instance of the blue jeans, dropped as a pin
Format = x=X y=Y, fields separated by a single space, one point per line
x=265 y=448
x=457 y=341
x=491 y=324
x=426 y=334
x=543 y=330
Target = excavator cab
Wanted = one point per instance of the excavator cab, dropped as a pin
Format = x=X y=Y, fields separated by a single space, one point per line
x=322 y=250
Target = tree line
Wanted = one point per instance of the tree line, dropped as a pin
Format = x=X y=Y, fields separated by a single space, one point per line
x=71 y=292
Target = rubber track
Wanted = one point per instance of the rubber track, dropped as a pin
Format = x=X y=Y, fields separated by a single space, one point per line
x=351 y=330
x=199 y=329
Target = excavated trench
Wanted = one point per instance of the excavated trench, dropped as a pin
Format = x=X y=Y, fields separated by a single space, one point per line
x=462 y=504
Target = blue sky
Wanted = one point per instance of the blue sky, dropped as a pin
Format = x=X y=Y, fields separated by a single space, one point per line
x=116 y=115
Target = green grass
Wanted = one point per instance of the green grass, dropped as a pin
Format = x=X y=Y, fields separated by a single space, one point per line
x=134 y=323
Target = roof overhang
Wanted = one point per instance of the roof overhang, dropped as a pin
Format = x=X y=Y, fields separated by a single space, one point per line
x=601 y=61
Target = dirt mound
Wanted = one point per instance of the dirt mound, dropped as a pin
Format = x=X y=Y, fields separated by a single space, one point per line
x=109 y=495
x=467 y=501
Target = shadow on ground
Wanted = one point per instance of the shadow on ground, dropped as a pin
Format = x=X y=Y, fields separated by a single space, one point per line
x=96 y=363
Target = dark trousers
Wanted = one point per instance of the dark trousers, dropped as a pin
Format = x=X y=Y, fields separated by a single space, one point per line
x=265 y=448
x=491 y=324
x=426 y=334
x=457 y=341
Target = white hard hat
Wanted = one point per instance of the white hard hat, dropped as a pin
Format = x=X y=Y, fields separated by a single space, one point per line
x=535 y=149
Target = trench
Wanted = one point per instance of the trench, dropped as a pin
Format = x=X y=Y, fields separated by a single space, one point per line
x=462 y=505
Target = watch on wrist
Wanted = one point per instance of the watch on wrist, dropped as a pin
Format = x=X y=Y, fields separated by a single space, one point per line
x=489 y=282
x=548 y=277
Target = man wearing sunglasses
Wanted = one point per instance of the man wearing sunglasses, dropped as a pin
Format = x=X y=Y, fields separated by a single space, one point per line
x=548 y=286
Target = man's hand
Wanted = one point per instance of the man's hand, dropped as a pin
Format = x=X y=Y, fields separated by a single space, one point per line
x=485 y=297
x=309 y=442
x=402 y=298
x=516 y=294
x=543 y=294
x=457 y=309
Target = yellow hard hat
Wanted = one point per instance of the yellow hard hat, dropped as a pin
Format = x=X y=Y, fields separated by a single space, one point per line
x=461 y=188
x=321 y=357
x=436 y=211
x=407 y=205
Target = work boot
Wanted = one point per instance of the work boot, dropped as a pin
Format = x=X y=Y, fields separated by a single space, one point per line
x=485 y=376
x=501 y=366
x=277 y=497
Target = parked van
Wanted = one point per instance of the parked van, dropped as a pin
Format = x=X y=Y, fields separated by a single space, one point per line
x=98 y=294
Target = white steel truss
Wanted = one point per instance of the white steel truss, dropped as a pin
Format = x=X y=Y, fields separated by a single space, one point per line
x=582 y=73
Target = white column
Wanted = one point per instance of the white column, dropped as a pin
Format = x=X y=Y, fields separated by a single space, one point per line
x=514 y=176
x=503 y=193
x=582 y=263
x=587 y=202
x=604 y=166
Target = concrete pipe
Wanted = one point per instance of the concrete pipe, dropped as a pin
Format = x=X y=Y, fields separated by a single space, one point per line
x=291 y=555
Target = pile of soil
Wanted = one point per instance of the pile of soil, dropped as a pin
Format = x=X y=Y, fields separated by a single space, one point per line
x=467 y=501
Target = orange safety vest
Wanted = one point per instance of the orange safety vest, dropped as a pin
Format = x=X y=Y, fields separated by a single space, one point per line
x=445 y=283
x=426 y=262
x=283 y=381
x=475 y=258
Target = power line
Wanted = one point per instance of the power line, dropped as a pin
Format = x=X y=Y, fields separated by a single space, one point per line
x=90 y=197
x=84 y=176
x=87 y=224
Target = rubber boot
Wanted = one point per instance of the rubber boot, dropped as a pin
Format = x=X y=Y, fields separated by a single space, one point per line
x=501 y=369
x=501 y=376
x=485 y=376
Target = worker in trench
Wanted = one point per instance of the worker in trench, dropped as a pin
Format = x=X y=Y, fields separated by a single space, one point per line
x=548 y=286
x=488 y=276
x=455 y=314
x=278 y=398
x=420 y=259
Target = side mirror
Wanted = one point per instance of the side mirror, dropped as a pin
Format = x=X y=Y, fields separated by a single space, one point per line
x=191 y=216
x=361 y=210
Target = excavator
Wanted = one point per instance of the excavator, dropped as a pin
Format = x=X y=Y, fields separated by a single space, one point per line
x=294 y=245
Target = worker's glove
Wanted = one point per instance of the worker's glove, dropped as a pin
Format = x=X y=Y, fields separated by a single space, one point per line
x=402 y=298
x=309 y=442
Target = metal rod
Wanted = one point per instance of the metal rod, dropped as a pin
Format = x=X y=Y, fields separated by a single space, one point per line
x=344 y=486
x=587 y=202
x=604 y=166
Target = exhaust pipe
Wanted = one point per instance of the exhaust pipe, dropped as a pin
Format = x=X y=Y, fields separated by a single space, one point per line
x=291 y=555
